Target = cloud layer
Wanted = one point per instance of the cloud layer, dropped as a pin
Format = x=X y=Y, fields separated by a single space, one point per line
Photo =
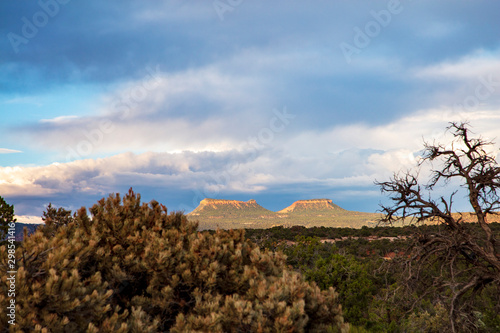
x=183 y=101
x=343 y=160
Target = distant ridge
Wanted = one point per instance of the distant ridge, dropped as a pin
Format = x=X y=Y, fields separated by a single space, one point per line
x=234 y=214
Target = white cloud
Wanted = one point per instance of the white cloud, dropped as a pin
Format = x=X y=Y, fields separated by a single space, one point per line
x=9 y=151
x=29 y=219
x=342 y=157
x=214 y=109
x=358 y=154
x=59 y=120
x=480 y=63
x=196 y=110
x=100 y=176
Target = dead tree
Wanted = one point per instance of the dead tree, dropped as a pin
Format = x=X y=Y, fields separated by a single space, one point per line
x=459 y=260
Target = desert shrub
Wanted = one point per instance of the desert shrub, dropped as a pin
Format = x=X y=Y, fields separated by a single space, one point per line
x=133 y=267
x=435 y=321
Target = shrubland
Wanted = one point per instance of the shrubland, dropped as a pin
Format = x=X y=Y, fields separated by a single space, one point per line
x=134 y=267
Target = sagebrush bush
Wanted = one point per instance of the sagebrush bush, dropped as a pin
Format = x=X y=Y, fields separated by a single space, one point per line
x=132 y=267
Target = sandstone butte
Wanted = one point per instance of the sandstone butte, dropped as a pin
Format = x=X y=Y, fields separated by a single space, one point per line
x=213 y=213
x=311 y=205
x=222 y=205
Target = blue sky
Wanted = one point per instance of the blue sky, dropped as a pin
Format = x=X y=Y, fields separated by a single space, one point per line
x=275 y=101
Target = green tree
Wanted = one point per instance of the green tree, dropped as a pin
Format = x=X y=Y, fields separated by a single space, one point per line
x=350 y=278
x=54 y=219
x=133 y=267
x=6 y=217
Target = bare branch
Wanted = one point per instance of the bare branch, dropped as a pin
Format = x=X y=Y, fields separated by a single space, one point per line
x=467 y=256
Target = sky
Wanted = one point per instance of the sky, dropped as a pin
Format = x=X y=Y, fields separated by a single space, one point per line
x=276 y=101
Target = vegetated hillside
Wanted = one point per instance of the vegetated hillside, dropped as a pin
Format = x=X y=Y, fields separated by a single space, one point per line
x=365 y=266
x=19 y=230
x=226 y=214
x=31 y=228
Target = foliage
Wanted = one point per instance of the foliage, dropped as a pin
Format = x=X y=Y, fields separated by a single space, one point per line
x=306 y=252
x=132 y=267
x=350 y=278
x=291 y=233
x=54 y=219
x=383 y=304
x=455 y=262
x=349 y=275
x=6 y=217
x=434 y=322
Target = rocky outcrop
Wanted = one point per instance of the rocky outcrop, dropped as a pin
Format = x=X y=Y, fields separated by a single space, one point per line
x=311 y=205
x=227 y=207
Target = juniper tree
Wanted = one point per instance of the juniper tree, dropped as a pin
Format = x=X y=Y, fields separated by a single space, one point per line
x=459 y=264
x=6 y=217
x=134 y=267
x=55 y=218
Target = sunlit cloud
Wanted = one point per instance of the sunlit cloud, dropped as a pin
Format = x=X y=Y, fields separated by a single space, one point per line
x=28 y=219
x=340 y=157
x=9 y=151
x=59 y=120
x=479 y=63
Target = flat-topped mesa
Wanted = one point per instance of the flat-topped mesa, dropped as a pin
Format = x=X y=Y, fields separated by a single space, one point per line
x=221 y=202
x=223 y=206
x=311 y=206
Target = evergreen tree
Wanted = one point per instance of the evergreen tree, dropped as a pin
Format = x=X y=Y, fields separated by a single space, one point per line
x=55 y=218
x=133 y=267
x=6 y=217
